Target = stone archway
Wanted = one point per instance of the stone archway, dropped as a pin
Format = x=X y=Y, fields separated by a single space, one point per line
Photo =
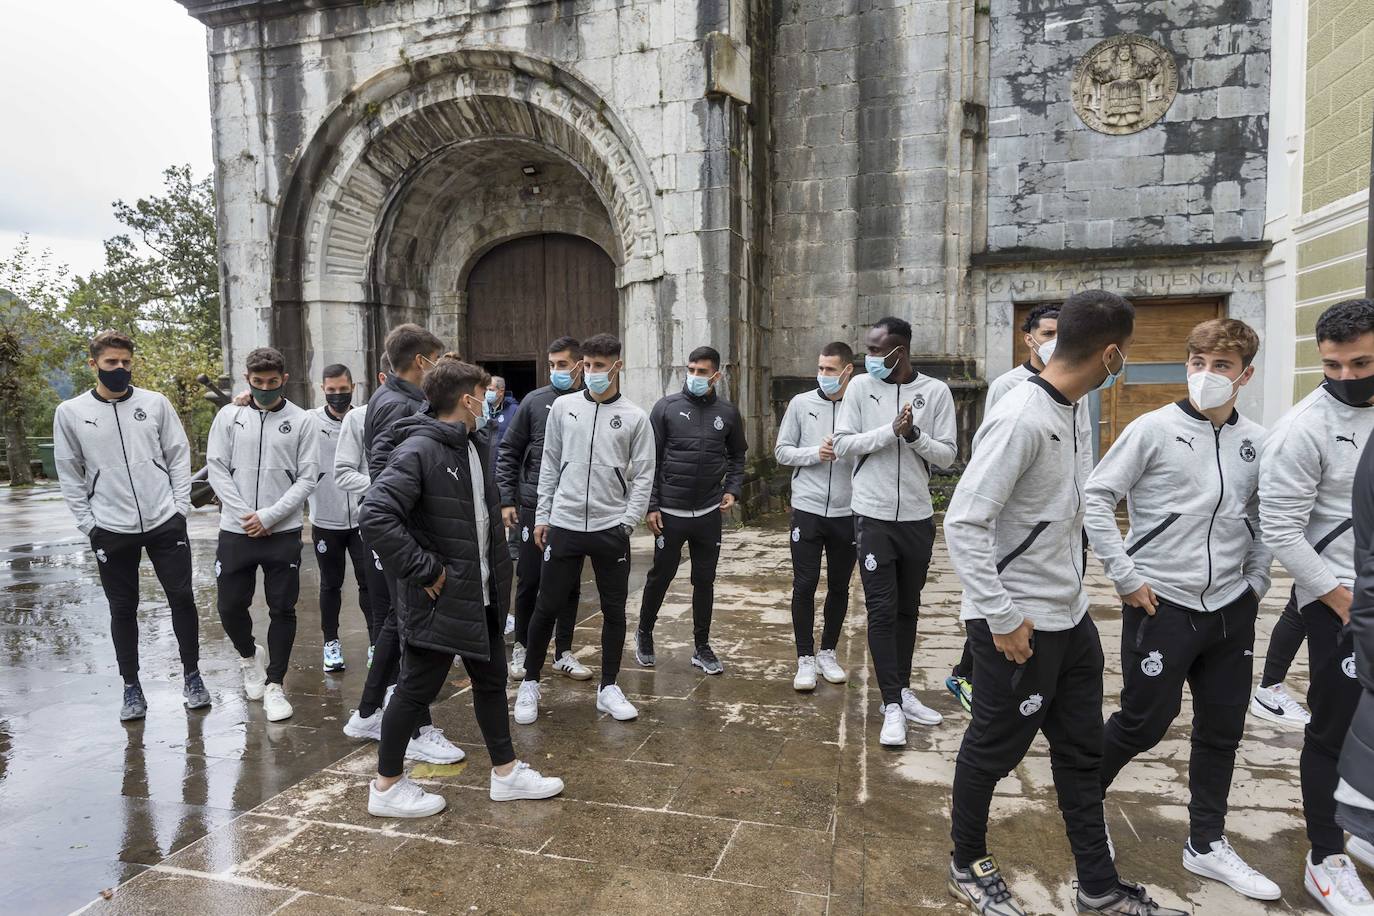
x=349 y=227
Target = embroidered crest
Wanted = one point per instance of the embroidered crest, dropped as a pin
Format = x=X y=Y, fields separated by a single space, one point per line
x=525 y=533
x=870 y=562
x=285 y=427
x=719 y=423
x=218 y=568
x=660 y=542
x=376 y=561
x=615 y=422
x=1247 y=451
x=1031 y=705
x=140 y=414
x=100 y=554
x=796 y=535
x=1153 y=664
x=322 y=547
x=548 y=552
x=1348 y=665
x=919 y=401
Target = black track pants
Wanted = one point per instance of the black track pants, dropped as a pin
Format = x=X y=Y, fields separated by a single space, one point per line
x=894 y=558
x=1284 y=642
x=333 y=548
x=1332 y=697
x=702 y=537
x=564 y=553
x=529 y=564
x=812 y=535
x=237 y=561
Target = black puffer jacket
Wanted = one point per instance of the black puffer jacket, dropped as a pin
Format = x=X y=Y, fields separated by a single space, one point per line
x=419 y=517
x=522 y=450
x=1357 y=754
x=394 y=401
x=701 y=448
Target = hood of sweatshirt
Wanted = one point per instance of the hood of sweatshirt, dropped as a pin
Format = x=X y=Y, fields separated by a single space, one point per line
x=454 y=435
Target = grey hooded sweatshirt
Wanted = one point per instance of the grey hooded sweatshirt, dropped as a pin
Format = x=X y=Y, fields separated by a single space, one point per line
x=350 y=456
x=263 y=461
x=124 y=465
x=1192 y=493
x=332 y=506
x=819 y=487
x=1307 y=476
x=598 y=465
x=1015 y=525
x=892 y=475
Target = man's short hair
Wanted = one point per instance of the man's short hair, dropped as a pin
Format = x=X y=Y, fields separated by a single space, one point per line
x=334 y=370
x=710 y=354
x=601 y=345
x=1346 y=321
x=1090 y=321
x=896 y=327
x=1032 y=321
x=110 y=340
x=446 y=383
x=841 y=349
x=407 y=341
x=1225 y=335
x=384 y=364
x=265 y=359
x=498 y=382
x=571 y=344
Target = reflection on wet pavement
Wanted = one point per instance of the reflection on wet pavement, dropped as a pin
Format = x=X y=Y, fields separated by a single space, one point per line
x=728 y=795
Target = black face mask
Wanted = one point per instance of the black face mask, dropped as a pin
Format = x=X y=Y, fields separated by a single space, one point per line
x=339 y=401
x=1353 y=391
x=115 y=380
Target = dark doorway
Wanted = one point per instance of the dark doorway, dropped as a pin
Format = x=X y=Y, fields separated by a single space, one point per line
x=521 y=375
x=524 y=293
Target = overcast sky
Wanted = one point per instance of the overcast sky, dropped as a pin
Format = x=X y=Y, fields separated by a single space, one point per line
x=97 y=97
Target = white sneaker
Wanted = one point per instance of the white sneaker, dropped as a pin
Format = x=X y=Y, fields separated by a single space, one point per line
x=516 y=673
x=918 y=712
x=894 y=726
x=830 y=668
x=510 y=624
x=254 y=673
x=403 y=799
x=432 y=747
x=610 y=699
x=568 y=664
x=1361 y=851
x=524 y=782
x=805 y=679
x=369 y=729
x=1224 y=864
x=527 y=703
x=1336 y=885
x=274 y=704
x=1275 y=704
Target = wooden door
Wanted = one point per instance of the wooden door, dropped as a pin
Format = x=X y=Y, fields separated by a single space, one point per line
x=526 y=292
x=1156 y=368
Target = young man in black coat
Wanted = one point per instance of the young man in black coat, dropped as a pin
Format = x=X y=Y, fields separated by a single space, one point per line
x=433 y=517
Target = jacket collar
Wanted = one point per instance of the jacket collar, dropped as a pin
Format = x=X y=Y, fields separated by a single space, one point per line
x=396 y=383
x=128 y=393
x=1186 y=406
x=820 y=393
x=915 y=374
x=1052 y=391
x=281 y=405
x=708 y=398
x=611 y=400
x=1030 y=367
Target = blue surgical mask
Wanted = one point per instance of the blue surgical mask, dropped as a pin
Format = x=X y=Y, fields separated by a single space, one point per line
x=830 y=384
x=1111 y=378
x=877 y=365
x=698 y=385
x=598 y=382
x=479 y=419
x=561 y=379
x=492 y=397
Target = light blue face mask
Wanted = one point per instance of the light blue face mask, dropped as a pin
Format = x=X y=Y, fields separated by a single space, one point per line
x=492 y=396
x=1111 y=378
x=479 y=419
x=598 y=382
x=830 y=384
x=561 y=379
x=877 y=365
x=698 y=385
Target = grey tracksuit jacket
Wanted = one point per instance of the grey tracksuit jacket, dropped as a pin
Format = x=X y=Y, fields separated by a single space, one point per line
x=819 y=487
x=1015 y=525
x=1006 y=382
x=350 y=455
x=1192 y=493
x=892 y=476
x=1307 y=475
x=598 y=465
x=124 y=465
x=263 y=461
x=331 y=506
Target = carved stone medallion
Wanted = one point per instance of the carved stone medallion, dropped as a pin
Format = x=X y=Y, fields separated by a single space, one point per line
x=1124 y=84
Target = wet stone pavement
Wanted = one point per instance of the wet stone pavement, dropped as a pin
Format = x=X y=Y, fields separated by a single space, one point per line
x=728 y=795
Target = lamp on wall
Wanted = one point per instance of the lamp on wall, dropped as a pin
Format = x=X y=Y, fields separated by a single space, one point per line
x=529 y=170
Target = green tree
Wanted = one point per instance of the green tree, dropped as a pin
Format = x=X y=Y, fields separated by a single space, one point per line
x=33 y=344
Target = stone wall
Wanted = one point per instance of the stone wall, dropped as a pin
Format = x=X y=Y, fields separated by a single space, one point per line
x=1197 y=177
x=1339 y=100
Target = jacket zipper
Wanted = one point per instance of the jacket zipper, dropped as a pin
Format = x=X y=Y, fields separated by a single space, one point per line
x=830 y=471
x=133 y=491
x=591 y=450
x=1221 y=493
x=257 y=478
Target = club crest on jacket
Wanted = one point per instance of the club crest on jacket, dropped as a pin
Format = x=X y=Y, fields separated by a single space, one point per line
x=1153 y=664
x=616 y=422
x=1247 y=451
x=285 y=427
x=140 y=414
x=1031 y=705
x=1348 y=666
x=719 y=423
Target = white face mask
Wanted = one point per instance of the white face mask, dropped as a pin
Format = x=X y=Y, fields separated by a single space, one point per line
x=1046 y=350
x=1209 y=389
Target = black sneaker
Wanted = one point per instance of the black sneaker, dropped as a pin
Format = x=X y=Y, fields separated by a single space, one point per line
x=1126 y=900
x=194 y=694
x=644 y=648
x=706 y=660
x=135 y=704
x=981 y=888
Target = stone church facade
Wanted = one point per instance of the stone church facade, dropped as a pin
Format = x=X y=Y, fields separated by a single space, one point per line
x=759 y=176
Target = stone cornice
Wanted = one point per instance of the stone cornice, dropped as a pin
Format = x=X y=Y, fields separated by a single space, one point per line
x=227 y=12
